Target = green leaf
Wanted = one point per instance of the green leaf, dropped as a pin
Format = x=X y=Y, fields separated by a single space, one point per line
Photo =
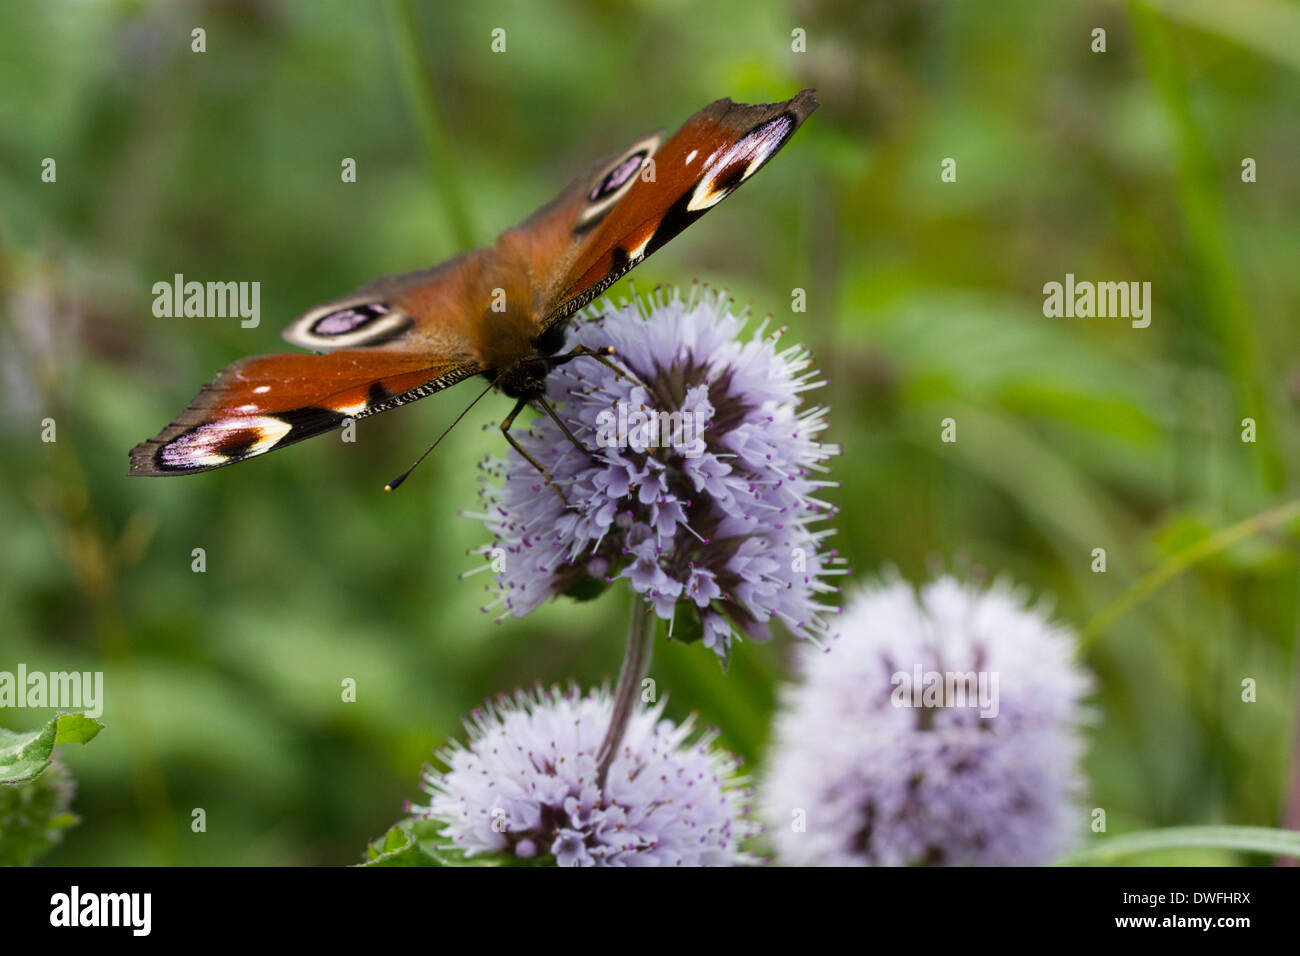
x=36 y=789
x=398 y=847
x=76 y=729
x=1244 y=839
x=687 y=628
x=23 y=757
x=419 y=843
x=586 y=588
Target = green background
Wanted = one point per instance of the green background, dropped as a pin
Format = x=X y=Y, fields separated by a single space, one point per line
x=924 y=302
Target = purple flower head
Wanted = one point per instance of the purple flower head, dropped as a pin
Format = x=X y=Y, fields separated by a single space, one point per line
x=698 y=487
x=943 y=730
x=526 y=785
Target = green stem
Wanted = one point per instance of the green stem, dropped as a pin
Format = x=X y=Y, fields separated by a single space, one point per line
x=423 y=103
x=1180 y=561
x=1212 y=268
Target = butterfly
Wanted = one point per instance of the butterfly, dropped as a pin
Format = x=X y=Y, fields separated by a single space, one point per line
x=499 y=312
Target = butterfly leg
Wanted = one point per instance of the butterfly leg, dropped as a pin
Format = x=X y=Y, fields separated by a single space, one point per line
x=505 y=430
x=546 y=406
x=601 y=356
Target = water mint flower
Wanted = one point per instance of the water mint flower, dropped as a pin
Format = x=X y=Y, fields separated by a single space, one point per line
x=699 y=485
x=525 y=785
x=860 y=774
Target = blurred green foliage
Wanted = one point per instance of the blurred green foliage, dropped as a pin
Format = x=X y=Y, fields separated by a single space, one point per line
x=925 y=302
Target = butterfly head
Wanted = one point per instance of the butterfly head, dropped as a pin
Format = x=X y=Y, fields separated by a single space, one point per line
x=526 y=378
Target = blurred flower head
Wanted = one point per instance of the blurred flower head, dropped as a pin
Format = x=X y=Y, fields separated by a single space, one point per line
x=698 y=487
x=526 y=785
x=940 y=730
x=42 y=344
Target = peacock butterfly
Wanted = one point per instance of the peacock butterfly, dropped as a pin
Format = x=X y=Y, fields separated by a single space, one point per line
x=499 y=312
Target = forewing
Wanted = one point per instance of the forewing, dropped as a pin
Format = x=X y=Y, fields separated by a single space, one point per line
x=544 y=247
x=701 y=164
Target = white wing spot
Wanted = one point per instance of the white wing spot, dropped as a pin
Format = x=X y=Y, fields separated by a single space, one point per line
x=639 y=251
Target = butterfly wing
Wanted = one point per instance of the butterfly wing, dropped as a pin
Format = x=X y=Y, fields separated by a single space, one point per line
x=431 y=310
x=392 y=341
x=544 y=246
x=267 y=402
x=601 y=227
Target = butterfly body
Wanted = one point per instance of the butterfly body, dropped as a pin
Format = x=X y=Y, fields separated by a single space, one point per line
x=499 y=312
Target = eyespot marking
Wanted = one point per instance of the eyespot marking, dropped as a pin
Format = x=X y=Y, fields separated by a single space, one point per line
x=614 y=184
x=341 y=325
x=348 y=320
x=617 y=177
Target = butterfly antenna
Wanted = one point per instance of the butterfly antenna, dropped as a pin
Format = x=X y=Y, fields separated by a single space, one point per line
x=396 y=482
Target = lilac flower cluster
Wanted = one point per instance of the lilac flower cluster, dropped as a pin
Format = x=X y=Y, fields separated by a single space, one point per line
x=526 y=785
x=697 y=486
x=860 y=774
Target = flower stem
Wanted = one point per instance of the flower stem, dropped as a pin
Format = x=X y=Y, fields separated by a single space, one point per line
x=635 y=664
x=422 y=101
x=1180 y=561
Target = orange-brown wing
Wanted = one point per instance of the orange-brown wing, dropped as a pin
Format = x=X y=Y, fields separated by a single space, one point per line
x=432 y=310
x=392 y=341
x=263 y=403
x=544 y=246
x=603 y=226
